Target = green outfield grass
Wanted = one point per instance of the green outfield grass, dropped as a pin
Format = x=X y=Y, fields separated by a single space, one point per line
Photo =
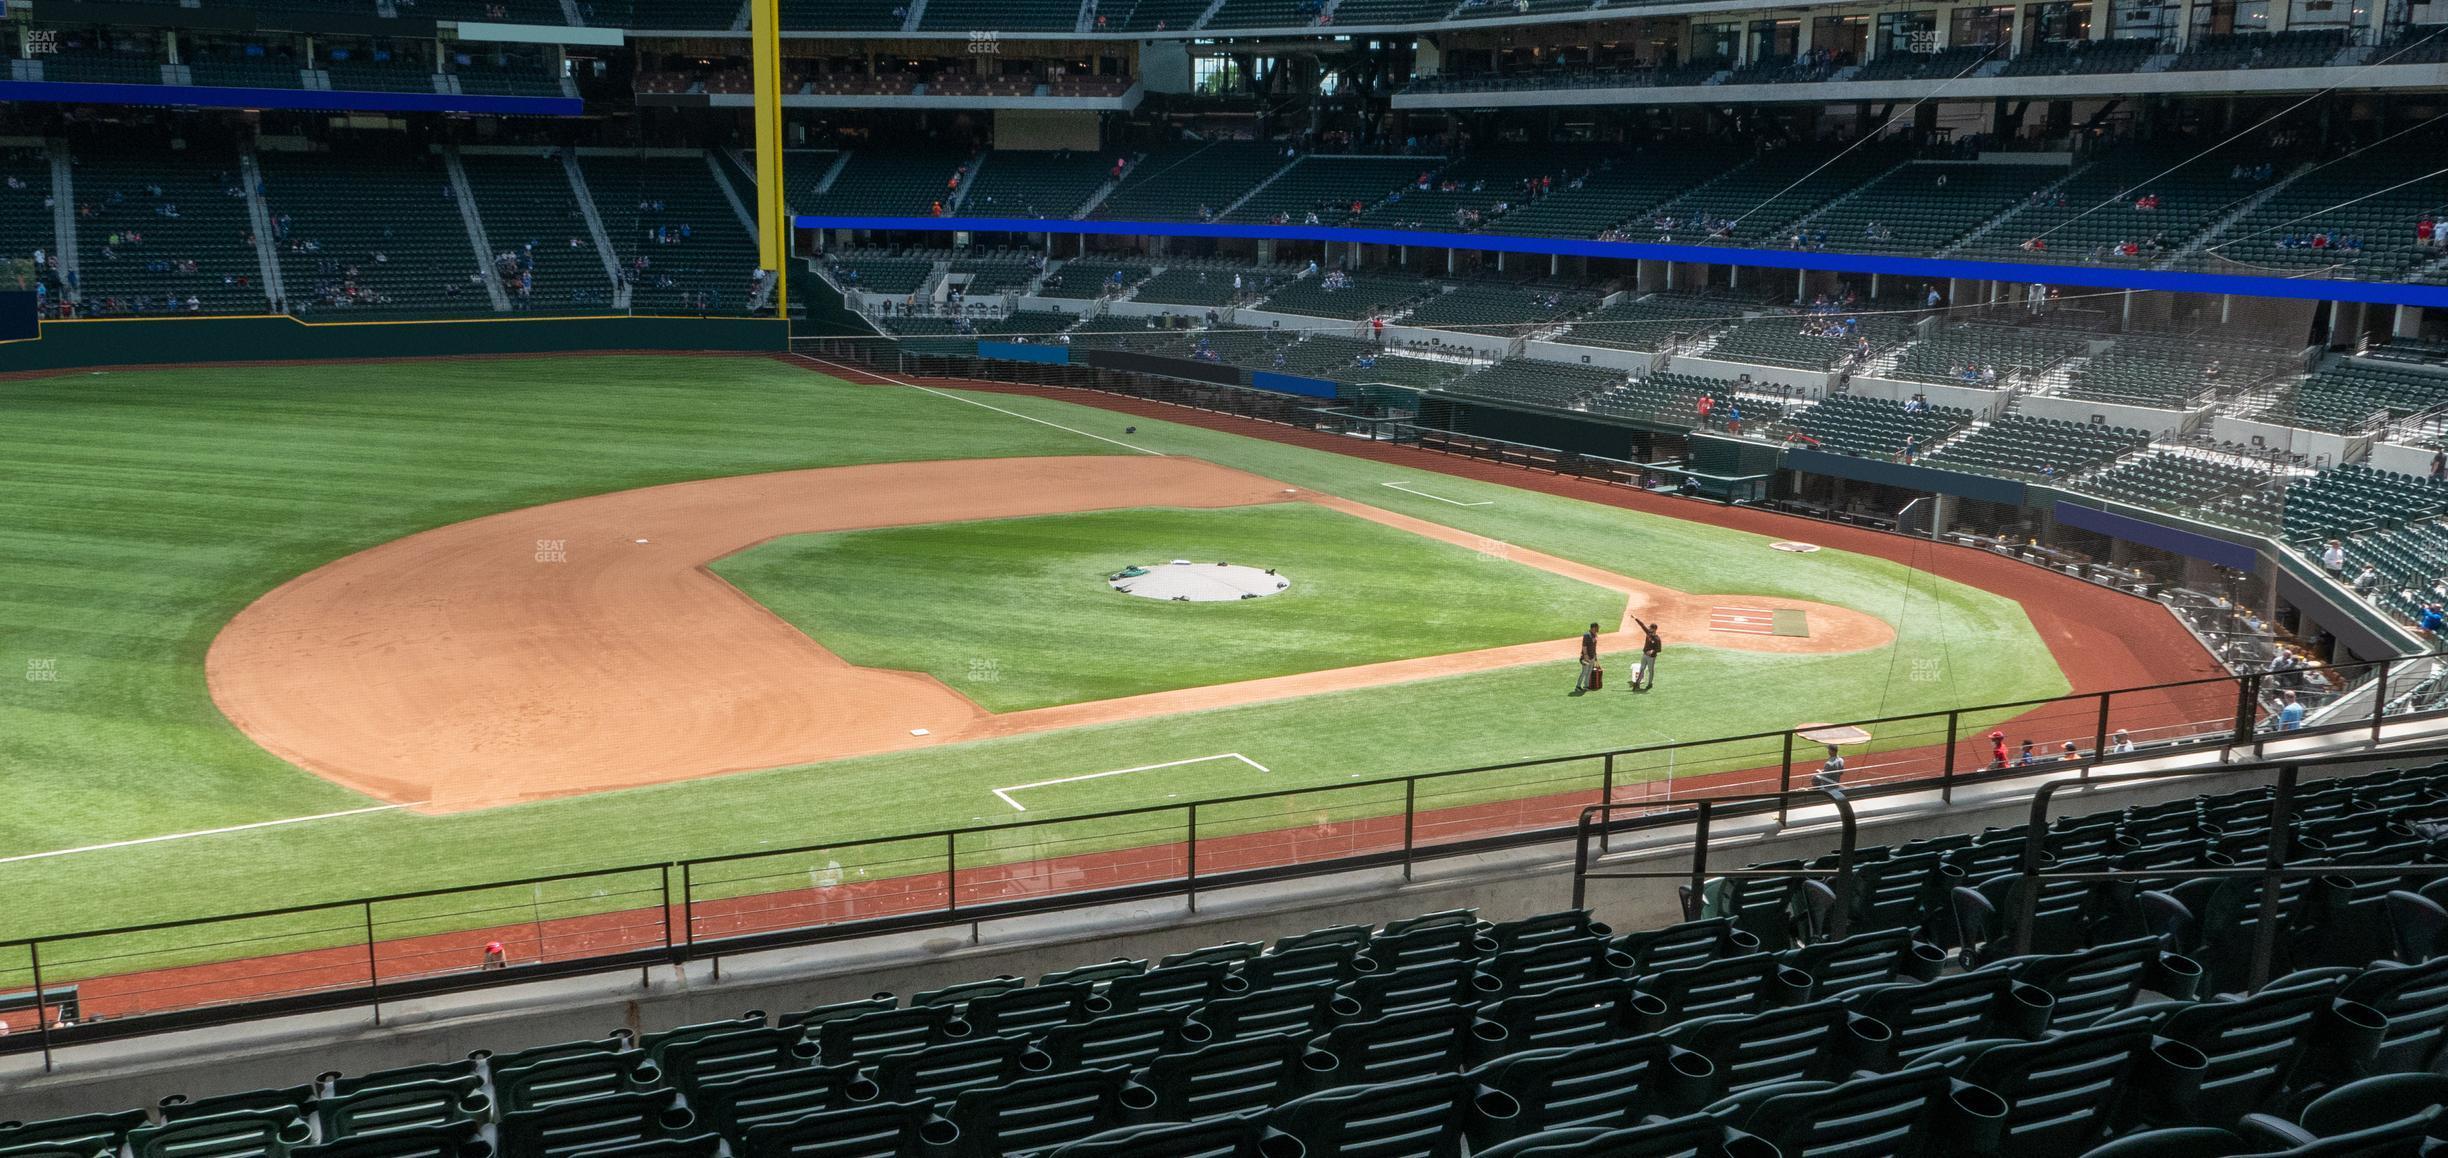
x=1016 y=613
x=152 y=506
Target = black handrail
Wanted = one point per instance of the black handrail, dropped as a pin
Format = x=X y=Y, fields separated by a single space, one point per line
x=684 y=942
x=2274 y=867
x=1596 y=819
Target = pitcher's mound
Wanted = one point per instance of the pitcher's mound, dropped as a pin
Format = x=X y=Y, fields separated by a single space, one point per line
x=1182 y=581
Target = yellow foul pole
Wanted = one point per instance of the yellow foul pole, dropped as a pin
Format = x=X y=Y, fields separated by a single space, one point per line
x=773 y=219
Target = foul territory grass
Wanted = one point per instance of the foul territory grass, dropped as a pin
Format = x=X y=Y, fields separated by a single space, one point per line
x=149 y=507
x=1017 y=613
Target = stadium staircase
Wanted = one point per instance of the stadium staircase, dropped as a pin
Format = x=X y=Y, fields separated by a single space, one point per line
x=2243 y=209
x=1260 y=187
x=1806 y=220
x=595 y=228
x=259 y=221
x=2010 y=212
x=63 y=221
x=716 y=160
x=1088 y=208
x=832 y=173
x=468 y=213
x=960 y=196
x=2433 y=272
x=917 y=13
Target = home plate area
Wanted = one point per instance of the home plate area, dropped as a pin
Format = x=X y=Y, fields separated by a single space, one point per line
x=1760 y=621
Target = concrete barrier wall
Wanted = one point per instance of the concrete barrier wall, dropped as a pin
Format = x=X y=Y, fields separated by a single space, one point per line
x=2313 y=444
x=1982 y=401
x=2161 y=423
x=161 y=341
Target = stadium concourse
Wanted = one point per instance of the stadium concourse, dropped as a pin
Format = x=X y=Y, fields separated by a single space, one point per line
x=571 y=562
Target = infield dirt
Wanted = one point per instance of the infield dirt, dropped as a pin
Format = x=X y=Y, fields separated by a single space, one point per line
x=585 y=645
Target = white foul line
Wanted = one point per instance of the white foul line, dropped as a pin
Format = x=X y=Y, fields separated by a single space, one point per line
x=1439 y=498
x=1005 y=793
x=204 y=832
x=975 y=402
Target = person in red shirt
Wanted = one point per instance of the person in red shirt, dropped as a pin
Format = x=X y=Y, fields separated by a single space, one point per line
x=1706 y=404
x=1377 y=328
x=1997 y=749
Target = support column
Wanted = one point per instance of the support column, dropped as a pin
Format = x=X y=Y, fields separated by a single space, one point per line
x=2408 y=322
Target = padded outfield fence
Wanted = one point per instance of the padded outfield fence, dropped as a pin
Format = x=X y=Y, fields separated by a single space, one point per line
x=91 y=985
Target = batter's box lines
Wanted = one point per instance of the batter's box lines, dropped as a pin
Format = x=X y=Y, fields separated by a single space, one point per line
x=1440 y=498
x=1005 y=793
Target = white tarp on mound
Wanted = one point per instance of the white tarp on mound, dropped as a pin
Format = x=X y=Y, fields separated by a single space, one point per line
x=1182 y=580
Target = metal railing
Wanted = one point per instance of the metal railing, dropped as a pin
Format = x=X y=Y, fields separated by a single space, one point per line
x=2279 y=861
x=1831 y=907
x=367 y=951
x=1598 y=824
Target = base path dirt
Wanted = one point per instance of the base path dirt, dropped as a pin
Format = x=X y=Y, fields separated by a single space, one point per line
x=585 y=645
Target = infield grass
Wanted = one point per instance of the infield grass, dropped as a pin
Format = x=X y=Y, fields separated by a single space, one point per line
x=149 y=507
x=1017 y=613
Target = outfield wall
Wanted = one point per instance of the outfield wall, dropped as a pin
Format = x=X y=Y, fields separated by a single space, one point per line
x=68 y=345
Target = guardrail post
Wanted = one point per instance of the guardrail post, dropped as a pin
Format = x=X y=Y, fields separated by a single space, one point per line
x=1946 y=771
x=951 y=872
x=374 y=971
x=1581 y=831
x=1410 y=820
x=1785 y=779
x=2248 y=699
x=2035 y=841
x=42 y=1024
x=2265 y=928
x=2379 y=700
x=1699 y=873
x=688 y=903
x=2099 y=742
x=1190 y=858
x=646 y=974
x=1606 y=795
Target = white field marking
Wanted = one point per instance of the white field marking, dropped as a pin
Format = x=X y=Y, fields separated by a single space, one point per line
x=1439 y=498
x=1005 y=793
x=204 y=832
x=989 y=406
x=1743 y=620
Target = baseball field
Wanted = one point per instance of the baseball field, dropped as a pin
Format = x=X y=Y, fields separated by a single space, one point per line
x=304 y=633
